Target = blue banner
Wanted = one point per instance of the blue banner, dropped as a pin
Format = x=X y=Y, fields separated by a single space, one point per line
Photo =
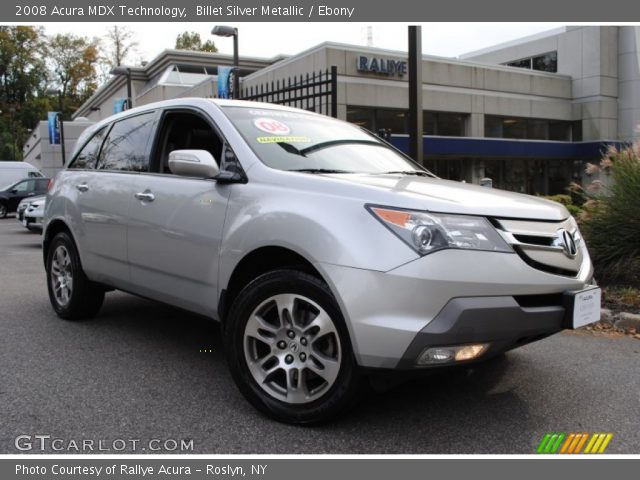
x=54 y=128
x=119 y=105
x=225 y=79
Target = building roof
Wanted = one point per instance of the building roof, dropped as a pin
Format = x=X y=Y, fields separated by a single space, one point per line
x=164 y=60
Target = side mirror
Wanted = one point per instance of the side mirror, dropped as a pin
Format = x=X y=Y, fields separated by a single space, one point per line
x=14 y=191
x=193 y=163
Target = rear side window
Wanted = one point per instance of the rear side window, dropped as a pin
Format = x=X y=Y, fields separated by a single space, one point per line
x=88 y=156
x=41 y=185
x=125 y=148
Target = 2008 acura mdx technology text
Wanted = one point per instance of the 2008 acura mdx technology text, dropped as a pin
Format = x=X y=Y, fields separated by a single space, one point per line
x=323 y=251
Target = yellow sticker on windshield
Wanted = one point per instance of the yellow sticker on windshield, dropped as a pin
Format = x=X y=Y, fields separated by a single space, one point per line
x=286 y=139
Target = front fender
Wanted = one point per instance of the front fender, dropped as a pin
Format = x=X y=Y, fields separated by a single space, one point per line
x=321 y=228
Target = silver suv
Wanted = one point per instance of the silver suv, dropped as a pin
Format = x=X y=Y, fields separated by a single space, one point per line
x=324 y=252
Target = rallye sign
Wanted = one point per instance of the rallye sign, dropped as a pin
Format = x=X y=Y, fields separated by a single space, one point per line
x=382 y=66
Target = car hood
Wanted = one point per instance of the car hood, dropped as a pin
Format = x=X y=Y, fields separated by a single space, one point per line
x=434 y=194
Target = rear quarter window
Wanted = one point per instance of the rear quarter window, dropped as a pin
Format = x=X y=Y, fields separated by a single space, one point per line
x=87 y=158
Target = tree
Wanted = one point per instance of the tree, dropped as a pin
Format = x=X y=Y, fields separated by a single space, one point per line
x=73 y=63
x=192 y=41
x=120 y=44
x=23 y=77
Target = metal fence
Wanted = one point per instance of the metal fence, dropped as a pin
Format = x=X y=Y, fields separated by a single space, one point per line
x=315 y=92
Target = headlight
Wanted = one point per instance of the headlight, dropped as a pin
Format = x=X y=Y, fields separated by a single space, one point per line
x=430 y=232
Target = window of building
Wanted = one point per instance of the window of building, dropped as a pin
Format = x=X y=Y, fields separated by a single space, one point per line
x=523 y=63
x=527 y=128
x=446 y=124
x=546 y=62
x=397 y=120
x=126 y=145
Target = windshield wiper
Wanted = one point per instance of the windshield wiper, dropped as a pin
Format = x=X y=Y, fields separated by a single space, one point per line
x=419 y=173
x=318 y=170
x=287 y=147
x=333 y=143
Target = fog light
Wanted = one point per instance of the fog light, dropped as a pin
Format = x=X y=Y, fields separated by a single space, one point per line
x=469 y=352
x=459 y=353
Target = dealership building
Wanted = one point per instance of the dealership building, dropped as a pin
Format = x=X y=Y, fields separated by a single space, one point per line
x=529 y=114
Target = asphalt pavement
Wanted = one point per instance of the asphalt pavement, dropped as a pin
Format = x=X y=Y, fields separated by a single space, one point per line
x=148 y=376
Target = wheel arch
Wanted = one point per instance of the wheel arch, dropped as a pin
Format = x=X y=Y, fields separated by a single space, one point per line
x=53 y=228
x=257 y=262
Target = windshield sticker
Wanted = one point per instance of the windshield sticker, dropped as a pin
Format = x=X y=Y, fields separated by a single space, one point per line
x=271 y=125
x=287 y=139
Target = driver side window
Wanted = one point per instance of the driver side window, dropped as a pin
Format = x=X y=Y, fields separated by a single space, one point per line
x=24 y=186
x=185 y=131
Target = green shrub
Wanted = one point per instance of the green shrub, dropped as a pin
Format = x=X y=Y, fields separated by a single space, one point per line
x=567 y=201
x=611 y=219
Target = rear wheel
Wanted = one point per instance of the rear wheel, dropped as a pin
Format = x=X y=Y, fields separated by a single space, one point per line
x=72 y=295
x=288 y=348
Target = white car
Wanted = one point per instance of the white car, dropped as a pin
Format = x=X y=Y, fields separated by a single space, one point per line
x=31 y=211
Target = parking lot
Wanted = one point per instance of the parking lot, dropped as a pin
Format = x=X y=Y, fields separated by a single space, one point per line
x=142 y=370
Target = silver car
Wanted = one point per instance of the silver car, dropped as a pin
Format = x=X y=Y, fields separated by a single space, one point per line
x=30 y=212
x=324 y=252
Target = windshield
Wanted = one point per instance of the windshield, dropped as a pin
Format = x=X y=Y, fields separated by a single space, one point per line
x=297 y=141
x=10 y=186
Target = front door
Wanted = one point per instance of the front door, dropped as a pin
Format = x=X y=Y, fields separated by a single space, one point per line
x=176 y=223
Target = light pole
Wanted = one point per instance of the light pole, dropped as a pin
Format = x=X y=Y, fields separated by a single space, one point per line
x=124 y=71
x=59 y=121
x=14 y=148
x=225 y=31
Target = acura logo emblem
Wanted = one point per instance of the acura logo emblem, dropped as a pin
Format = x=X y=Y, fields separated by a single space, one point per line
x=567 y=242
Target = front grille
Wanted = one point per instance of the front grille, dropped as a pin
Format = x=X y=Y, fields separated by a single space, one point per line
x=539 y=244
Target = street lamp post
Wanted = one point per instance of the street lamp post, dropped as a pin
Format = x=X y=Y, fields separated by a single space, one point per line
x=59 y=121
x=124 y=71
x=14 y=148
x=225 y=31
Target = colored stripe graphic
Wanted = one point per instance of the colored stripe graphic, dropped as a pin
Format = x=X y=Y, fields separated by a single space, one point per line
x=573 y=443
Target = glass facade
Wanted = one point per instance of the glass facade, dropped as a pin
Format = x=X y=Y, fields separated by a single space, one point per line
x=496 y=126
x=546 y=62
x=448 y=124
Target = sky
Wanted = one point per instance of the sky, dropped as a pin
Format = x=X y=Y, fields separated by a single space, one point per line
x=270 y=39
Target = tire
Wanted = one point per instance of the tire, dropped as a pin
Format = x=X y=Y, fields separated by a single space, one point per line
x=72 y=295
x=3 y=210
x=308 y=376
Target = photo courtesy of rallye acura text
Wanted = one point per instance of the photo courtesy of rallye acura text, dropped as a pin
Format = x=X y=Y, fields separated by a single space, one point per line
x=325 y=253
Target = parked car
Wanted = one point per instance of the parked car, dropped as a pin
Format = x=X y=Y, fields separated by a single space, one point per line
x=11 y=172
x=324 y=252
x=31 y=216
x=12 y=195
x=22 y=206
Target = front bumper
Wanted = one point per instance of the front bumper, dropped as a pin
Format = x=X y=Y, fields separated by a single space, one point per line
x=33 y=222
x=500 y=322
x=448 y=298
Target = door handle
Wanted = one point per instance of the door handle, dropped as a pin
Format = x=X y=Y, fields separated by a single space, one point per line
x=83 y=187
x=145 y=196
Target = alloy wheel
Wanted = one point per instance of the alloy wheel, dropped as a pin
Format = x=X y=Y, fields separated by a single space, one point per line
x=292 y=348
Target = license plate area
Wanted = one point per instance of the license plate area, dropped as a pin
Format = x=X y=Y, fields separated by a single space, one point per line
x=582 y=307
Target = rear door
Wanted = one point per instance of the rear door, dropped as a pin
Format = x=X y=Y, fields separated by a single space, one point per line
x=176 y=222
x=105 y=185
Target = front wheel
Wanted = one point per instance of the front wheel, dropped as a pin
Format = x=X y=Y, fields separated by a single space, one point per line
x=288 y=348
x=3 y=210
x=73 y=296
